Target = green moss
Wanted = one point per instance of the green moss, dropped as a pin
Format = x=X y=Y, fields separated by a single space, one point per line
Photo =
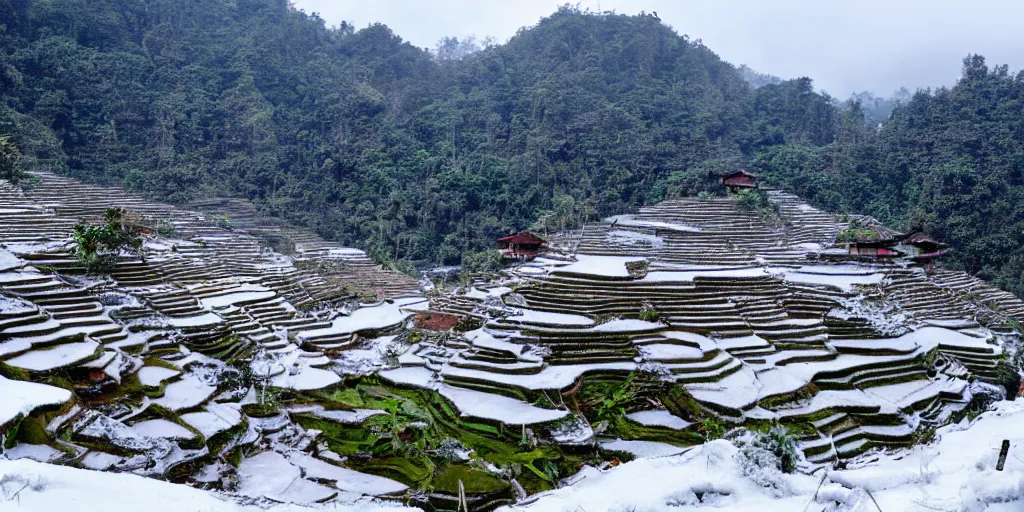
x=13 y=373
x=260 y=410
x=416 y=472
x=156 y=361
x=473 y=480
x=33 y=431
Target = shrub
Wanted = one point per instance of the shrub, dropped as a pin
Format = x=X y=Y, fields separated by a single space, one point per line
x=483 y=261
x=97 y=247
x=224 y=223
x=779 y=441
x=712 y=428
x=165 y=228
x=1008 y=377
x=10 y=160
x=649 y=314
x=756 y=200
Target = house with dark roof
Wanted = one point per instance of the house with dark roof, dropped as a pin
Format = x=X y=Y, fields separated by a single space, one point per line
x=738 y=180
x=522 y=246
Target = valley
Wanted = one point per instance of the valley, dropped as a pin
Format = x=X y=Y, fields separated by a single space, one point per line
x=309 y=375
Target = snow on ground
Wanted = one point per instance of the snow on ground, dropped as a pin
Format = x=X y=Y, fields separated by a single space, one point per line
x=477 y=293
x=607 y=266
x=416 y=376
x=216 y=418
x=188 y=392
x=659 y=418
x=270 y=475
x=305 y=378
x=956 y=473
x=28 y=486
x=632 y=238
x=476 y=403
x=643 y=449
x=507 y=410
x=56 y=357
x=244 y=293
x=353 y=417
x=203 y=320
x=744 y=387
x=666 y=351
x=152 y=376
x=630 y=220
x=551 y=377
x=21 y=398
x=843 y=282
x=9 y=260
x=372 y=357
x=484 y=339
x=162 y=428
x=627 y=325
x=12 y=305
x=529 y=316
x=372 y=317
x=810 y=246
x=36 y=452
x=344 y=478
x=688 y=276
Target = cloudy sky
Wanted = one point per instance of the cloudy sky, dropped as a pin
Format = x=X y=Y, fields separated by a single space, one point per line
x=844 y=45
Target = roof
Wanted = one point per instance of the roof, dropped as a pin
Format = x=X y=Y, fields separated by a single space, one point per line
x=931 y=255
x=920 y=238
x=523 y=237
x=740 y=172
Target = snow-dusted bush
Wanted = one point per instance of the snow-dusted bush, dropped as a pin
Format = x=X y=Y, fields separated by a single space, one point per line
x=765 y=457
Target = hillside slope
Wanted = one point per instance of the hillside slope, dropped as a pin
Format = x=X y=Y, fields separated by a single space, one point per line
x=210 y=359
x=377 y=144
x=373 y=142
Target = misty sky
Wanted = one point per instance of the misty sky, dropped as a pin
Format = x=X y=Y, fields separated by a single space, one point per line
x=844 y=45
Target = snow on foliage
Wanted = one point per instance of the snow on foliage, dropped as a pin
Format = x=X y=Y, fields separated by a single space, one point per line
x=956 y=473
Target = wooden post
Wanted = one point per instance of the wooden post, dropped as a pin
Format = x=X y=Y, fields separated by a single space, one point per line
x=1002 y=455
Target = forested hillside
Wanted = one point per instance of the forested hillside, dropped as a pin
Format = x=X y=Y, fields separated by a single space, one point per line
x=382 y=145
x=950 y=162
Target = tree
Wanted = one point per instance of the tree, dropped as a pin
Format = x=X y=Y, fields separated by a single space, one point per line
x=10 y=160
x=97 y=247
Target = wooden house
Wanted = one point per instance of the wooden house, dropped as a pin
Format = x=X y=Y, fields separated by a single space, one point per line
x=522 y=246
x=738 y=180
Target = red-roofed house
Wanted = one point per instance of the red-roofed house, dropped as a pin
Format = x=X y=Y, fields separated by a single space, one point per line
x=521 y=247
x=739 y=179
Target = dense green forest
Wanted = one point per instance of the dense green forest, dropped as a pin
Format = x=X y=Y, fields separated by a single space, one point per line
x=424 y=157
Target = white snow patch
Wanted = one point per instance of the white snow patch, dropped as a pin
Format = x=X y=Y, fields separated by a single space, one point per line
x=49 y=487
x=162 y=428
x=643 y=449
x=632 y=238
x=36 y=452
x=21 y=398
x=373 y=317
x=509 y=411
x=659 y=418
x=607 y=266
x=529 y=316
x=62 y=355
x=152 y=376
x=188 y=392
x=632 y=221
x=216 y=418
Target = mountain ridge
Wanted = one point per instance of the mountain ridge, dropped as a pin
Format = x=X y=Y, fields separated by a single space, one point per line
x=372 y=142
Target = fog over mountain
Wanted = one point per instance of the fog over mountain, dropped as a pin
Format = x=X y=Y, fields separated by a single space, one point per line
x=873 y=45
